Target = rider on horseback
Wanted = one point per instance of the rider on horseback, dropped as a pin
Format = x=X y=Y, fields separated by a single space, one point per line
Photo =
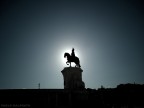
x=73 y=53
x=72 y=58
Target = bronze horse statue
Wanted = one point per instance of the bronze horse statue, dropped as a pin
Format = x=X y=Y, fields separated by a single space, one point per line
x=72 y=59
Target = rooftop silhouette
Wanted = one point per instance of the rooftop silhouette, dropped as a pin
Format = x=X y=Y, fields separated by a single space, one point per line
x=123 y=96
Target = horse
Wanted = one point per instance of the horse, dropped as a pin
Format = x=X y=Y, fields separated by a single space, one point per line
x=72 y=59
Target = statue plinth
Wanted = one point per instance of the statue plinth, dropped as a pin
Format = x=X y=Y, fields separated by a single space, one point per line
x=73 y=78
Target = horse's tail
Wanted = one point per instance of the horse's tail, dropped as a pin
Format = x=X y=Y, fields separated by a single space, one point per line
x=78 y=62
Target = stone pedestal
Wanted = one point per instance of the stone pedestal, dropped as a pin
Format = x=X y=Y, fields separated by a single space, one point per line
x=73 y=78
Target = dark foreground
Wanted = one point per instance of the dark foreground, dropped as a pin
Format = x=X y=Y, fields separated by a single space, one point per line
x=124 y=96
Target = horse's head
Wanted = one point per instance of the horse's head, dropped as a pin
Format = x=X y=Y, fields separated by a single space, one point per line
x=66 y=54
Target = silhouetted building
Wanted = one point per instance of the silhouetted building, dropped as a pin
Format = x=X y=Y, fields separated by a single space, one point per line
x=124 y=96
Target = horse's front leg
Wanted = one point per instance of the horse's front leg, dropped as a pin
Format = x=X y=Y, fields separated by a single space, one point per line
x=67 y=63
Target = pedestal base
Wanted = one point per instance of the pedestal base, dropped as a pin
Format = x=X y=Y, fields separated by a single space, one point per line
x=73 y=78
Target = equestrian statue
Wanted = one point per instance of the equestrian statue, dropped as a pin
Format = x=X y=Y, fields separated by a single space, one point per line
x=72 y=58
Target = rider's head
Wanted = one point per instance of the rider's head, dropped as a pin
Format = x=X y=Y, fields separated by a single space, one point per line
x=72 y=49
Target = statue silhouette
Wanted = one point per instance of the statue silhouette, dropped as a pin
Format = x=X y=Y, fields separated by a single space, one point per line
x=72 y=58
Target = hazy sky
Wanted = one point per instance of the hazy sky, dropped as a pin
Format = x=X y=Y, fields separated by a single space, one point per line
x=108 y=37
